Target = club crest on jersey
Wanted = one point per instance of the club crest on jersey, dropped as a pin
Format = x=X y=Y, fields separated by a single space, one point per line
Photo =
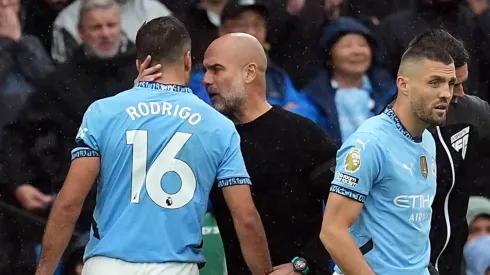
x=424 y=169
x=352 y=161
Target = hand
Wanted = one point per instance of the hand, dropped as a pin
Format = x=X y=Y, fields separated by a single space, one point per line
x=478 y=6
x=148 y=74
x=285 y=269
x=9 y=23
x=31 y=198
x=294 y=7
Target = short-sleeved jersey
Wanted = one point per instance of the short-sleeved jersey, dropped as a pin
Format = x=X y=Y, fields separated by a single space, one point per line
x=394 y=175
x=161 y=151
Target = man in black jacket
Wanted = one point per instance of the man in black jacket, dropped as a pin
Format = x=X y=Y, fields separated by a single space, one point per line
x=462 y=144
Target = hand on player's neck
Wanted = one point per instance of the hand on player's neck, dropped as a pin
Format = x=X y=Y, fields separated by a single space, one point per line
x=413 y=124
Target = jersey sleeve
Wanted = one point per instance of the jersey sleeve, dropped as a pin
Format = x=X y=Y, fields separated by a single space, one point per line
x=358 y=165
x=86 y=140
x=232 y=170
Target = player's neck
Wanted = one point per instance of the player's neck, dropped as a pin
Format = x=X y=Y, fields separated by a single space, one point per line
x=413 y=124
x=251 y=110
x=172 y=79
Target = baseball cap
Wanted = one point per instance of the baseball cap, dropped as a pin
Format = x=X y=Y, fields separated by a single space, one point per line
x=477 y=206
x=235 y=7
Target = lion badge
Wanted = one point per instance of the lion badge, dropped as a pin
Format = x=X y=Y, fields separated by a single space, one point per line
x=352 y=161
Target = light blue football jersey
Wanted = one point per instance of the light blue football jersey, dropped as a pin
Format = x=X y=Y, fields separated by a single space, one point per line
x=161 y=150
x=394 y=175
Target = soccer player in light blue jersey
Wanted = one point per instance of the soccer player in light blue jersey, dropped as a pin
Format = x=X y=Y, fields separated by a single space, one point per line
x=156 y=151
x=377 y=218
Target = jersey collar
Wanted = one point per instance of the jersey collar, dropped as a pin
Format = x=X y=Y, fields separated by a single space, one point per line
x=164 y=87
x=391 y=114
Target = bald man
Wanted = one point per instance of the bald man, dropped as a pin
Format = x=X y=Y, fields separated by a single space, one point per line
x=287 y=157
x=378 y=214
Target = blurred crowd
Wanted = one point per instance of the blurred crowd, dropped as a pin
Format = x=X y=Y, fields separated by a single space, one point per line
x=59 y=56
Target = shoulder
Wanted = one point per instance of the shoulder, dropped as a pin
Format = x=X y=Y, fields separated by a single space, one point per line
x=471 y=110
x=295 y=123
x=378 y=126
x=475 y=104
x=112 y=104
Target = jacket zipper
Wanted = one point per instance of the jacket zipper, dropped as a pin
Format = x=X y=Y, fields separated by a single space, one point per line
x=446 y=201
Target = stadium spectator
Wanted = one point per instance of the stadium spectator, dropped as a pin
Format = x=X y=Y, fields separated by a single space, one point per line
x=23 y=61
x=478 y=217
x=39 y=17
x=37 y=145
x=351 y=87
x=477 y=256
x=472 y=27
x=66 y=32
x=202 y=19
x=250 y=17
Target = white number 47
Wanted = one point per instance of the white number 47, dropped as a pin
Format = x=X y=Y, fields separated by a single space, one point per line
x=164 y=163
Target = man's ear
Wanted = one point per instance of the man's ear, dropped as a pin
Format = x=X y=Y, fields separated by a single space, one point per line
x=402 y=85
x=250 y=72
x=188 y=61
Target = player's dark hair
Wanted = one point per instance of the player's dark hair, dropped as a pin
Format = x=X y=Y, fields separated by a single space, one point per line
x=420 y=52
x=165 y=39
x=446 y=41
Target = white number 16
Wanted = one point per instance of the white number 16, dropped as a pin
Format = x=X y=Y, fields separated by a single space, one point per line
x=164 y=163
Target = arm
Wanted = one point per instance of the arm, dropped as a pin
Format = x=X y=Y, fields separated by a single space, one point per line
x=358 y=167
x=68 y=205
x=340 y=214
x=248 y=226
x=235 y=183
x=65 y=212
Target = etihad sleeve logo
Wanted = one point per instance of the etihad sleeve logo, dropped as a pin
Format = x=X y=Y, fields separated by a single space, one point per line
x=459 y=141
x=352 y=161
